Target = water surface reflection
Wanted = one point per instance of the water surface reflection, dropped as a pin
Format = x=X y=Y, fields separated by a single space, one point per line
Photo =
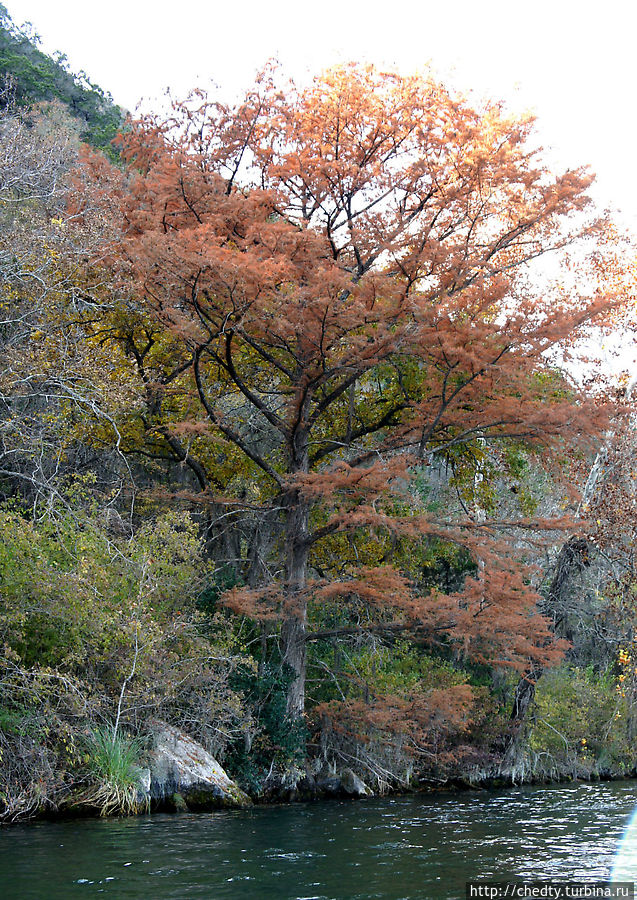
x=405 y=847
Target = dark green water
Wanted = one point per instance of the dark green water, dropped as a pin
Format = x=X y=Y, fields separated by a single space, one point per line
x=406 y=847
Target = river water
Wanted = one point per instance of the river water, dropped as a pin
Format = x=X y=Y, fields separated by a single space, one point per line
x=424 y=846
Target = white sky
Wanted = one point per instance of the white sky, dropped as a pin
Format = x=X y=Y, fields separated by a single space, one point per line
x=572 y=63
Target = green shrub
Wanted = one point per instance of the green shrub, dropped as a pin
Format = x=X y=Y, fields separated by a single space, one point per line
x=276 y=742
x=581 y=722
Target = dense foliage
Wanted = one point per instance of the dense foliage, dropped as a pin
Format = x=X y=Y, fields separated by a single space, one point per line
x=289 y=450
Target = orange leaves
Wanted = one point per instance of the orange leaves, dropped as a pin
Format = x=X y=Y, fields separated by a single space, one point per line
x=342 y=272
x=382 y=587
x=349 y=481
x=425 y=721
x=264 y=605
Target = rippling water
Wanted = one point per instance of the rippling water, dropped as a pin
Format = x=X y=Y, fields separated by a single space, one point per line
x=405 y=847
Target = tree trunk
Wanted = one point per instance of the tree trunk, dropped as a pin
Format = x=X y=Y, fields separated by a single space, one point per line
x=293 y=630
x=293 y=639
x=571 y=559
x=525 y=694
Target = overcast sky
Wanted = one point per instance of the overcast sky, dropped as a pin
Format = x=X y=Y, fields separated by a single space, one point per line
x=572 y=63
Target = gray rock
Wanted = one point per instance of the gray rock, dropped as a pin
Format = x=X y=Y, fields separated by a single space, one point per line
x=353 y=785
x=143 y=781
x=306 y=787
x=179 y=765
x=329 y=786
x=143 y=789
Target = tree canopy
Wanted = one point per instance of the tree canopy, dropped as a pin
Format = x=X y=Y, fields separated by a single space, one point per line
x=336 y=277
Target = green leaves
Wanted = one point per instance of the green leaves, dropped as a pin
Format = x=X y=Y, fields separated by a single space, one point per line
x=113 y=766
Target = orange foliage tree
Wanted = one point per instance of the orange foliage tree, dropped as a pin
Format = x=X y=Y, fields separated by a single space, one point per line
x=342 y=270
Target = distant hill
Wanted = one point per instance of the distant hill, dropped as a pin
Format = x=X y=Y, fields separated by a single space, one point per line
x=29 y=76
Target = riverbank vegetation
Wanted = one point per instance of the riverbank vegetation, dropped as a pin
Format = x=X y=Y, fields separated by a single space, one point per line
x=298 y=449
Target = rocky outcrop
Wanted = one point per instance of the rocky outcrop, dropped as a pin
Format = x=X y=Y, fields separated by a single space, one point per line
x=353 y=786
x=184 y=775
x=300 y=785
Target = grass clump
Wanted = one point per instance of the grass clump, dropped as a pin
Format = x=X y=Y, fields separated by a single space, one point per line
x=113 y=763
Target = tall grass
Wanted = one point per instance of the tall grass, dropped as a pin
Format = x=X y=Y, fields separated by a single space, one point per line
x=113 y=763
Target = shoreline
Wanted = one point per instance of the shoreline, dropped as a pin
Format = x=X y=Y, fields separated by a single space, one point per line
x=456 y=785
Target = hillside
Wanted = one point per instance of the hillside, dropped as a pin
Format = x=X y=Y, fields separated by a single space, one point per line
x=29 y=77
